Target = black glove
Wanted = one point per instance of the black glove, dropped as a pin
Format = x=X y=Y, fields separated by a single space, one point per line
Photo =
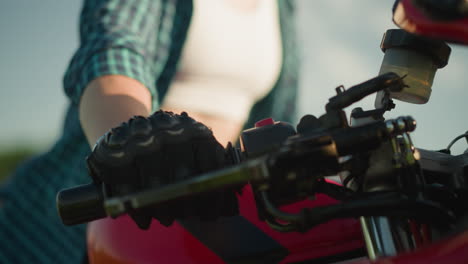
x=150 y=152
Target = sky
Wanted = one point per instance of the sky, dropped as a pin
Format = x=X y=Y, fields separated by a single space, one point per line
x=340 y=45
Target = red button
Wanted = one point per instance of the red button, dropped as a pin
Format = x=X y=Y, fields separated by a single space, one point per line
x=265 y=122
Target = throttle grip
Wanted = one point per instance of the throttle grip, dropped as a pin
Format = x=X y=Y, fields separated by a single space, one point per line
x=79 y=205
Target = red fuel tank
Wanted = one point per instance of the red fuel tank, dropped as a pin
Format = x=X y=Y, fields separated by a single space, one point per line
x=227 y=240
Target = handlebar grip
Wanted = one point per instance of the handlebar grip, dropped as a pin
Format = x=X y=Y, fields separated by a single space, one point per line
x=80 y=204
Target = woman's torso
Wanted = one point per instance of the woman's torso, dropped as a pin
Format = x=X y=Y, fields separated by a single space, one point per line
x=231 y=59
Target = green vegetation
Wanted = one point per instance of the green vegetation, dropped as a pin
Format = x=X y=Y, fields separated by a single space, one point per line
x=10 y=159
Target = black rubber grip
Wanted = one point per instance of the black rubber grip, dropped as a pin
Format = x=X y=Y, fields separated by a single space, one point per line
x=79 y=205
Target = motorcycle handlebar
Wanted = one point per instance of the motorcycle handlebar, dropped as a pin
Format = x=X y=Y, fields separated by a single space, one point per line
x=86 y=203
x=79 y=205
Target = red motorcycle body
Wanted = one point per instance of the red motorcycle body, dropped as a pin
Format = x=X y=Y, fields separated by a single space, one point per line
x=120 y=241
x=412 y=19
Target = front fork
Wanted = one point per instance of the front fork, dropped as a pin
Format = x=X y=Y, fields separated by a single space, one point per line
x=378 y=237
x=393 y=166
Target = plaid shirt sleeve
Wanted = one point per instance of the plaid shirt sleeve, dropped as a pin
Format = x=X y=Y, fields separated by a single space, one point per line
x=119 y=37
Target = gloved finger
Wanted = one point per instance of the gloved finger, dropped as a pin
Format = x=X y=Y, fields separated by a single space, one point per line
x=164 y=213
x=151 y=170
x=142 y=219
x=180 y=162
x=209 y=154
x=173 y=163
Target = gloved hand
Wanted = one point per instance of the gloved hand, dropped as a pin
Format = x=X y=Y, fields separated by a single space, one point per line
x=165 y=148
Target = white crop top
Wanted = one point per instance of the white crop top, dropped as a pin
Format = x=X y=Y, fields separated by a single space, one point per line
x=231 y=59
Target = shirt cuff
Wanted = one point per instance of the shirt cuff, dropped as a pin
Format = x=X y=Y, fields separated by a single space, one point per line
x=115 y=61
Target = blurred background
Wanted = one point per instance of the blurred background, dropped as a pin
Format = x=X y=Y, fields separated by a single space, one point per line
x=340 y=46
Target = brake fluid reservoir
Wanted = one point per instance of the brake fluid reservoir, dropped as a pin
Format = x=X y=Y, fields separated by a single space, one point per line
x=415 y=57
